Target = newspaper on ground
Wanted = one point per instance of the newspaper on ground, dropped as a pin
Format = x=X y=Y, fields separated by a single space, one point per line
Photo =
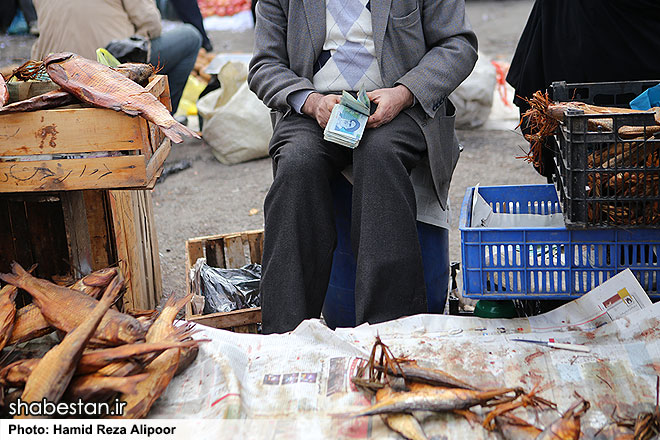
x=348 y=120
x=297 y=385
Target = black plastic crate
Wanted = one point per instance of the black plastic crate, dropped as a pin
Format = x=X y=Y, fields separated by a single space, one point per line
x=605 y=179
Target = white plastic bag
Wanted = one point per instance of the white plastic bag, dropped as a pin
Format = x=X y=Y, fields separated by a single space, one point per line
x=473 y=99
x=236 y=123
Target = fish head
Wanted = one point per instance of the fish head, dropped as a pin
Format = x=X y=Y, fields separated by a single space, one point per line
x=58 y=57
x=130 y=331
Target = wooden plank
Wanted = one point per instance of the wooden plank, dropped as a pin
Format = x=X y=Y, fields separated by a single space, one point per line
x=215 y=253
x=99 y=229
x=7 y=251
x=77 y=232
x=194 y=250
x=256 y=240
x=65 y=131
x=234 y=251
x=20 y=233
x=249 y=328
x=156 y=162
x=229 y=319
x=120 y=219
x=47 y=230
x=147 y=243
x=73 y=174
x=145 y=133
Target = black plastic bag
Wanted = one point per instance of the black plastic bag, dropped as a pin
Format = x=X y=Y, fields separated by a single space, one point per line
x=225 y=290
x=130 y=50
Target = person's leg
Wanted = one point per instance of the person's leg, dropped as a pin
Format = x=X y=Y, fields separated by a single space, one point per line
x=299 y=236
x=175 y=52
x=30 y=14
x=7 y=13
x=389 y=271
x=188 y=11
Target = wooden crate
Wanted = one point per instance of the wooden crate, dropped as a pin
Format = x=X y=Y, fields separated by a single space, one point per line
x=69 y=234
x=226 y=251
x=55 y=148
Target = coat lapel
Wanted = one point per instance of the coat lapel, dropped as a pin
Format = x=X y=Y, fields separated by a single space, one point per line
x=315 y=12
x=380 y=12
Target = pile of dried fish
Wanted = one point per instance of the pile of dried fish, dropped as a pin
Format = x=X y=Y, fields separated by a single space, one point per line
x=89 y=82
x=401 y=387
x=622 y=178
x=103 y=352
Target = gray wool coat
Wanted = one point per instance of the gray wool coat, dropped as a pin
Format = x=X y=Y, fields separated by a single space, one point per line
x=426 y=45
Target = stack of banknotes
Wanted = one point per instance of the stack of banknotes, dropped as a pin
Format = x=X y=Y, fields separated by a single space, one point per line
x=348 y=120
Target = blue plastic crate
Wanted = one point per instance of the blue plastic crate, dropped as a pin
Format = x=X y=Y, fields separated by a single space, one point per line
x=548 y=263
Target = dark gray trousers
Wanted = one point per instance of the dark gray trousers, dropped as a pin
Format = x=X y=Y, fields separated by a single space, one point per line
x=300 y=235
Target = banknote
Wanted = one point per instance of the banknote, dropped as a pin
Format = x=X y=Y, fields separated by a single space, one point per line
x=348 y=120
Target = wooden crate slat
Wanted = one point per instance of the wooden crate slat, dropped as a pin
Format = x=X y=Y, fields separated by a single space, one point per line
x=77 y=232
x=96 y=207
x=155 y=165
x=73 y=174
x=215 y=252
x=152 y=251
x=229 y=319
x=256 y=240
x=20 y=234
x=234 y=252
x=63 y=131
x=7 y=251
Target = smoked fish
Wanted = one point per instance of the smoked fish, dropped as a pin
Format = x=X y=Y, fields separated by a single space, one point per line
x=66 y=308
x=161 y=370
x=52 y=375
x=423 y=397
x=567 y=427
x=7 y=312
x=137 y=72
x=102 y=86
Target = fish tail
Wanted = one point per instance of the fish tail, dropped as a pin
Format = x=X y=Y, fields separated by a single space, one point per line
x=16 y=277
x=176 y=131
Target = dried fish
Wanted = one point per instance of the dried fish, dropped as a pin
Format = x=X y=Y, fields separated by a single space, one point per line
x=17 y=373
x=136 y=72
x=161 y=370
x=413 y=372
x=514 y=428
x=7 y=312
x=66 y=308
x=101 y=86
x=405 y=424
x=52 y=375
x=567 y=427
x=93 y=387
x=423 y=397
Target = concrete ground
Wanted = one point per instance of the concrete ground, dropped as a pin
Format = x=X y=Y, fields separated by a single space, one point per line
x=211 y=198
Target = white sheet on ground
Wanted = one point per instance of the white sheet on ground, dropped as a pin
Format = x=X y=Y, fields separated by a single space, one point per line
x=298 y=385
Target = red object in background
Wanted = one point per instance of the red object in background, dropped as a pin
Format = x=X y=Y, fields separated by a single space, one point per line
x=501 y=70
x=222 y=7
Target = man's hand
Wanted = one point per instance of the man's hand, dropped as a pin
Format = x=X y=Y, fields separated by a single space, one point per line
x=390 y=102
x=320 y=106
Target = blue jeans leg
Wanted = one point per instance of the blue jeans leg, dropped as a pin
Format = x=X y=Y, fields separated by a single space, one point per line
x=175 y=52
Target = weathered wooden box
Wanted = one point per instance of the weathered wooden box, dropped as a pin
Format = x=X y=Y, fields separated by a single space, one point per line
x=69 y=234
x=226 y=251
x=77 y=148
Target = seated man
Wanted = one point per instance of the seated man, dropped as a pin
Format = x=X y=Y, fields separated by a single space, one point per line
x=82 y=26
x=409 y=55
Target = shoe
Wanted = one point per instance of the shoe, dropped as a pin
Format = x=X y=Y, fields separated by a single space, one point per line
x=34 y=30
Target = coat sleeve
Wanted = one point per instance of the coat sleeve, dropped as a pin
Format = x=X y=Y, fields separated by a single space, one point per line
x=145 y=17
x=270 y=76
x=450 y=58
